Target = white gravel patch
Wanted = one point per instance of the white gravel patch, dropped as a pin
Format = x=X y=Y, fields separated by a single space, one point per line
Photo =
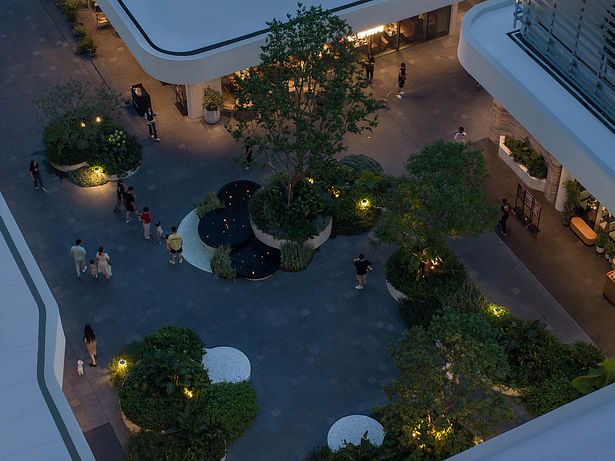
x=351 y=429
x=227 y=365
x=193 y=249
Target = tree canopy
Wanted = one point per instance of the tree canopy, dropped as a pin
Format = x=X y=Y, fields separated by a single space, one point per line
x=442 y=196
x=306 y=94
x=442 y=397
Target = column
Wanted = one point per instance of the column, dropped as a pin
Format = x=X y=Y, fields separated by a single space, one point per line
x=452 y=27
x=194 y=96
x=560 y=199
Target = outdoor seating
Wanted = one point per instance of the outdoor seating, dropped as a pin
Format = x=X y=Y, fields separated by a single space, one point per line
x=583 y=231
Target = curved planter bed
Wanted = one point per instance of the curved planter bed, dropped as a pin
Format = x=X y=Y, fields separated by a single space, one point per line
x=530 y=181
x=273 y=242
x=132 y=427
x=67 y=168
x=129 y=173
x=394 y=292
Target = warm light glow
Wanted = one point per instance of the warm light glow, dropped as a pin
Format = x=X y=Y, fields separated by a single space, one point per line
x=122 y=363
x=188 y=393
x=310 y=180
x=334 y=191
x=367 y=33
x=82 y=124
x=498 y=311
x=364 y=203
x=98 y=119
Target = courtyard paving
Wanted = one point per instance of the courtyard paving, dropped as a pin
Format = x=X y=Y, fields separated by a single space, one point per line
x=318 y=348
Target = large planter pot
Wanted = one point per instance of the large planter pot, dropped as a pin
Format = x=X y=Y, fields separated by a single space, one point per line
x=211 y=116
x=530 y=181
x=394 y=292
x=112 y=177
x=273 y=242
x=67 y=168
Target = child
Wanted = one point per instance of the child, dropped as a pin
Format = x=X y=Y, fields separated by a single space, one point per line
x=93 y=269
x=159 y=232
x=146 y=219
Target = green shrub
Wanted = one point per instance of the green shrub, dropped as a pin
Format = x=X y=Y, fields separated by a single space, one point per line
x=79 y=31
x=118 y=153
x=147 y=445
x=231 y=407
x=299 y=221
x=363 y=162
x=65 y=144
x=295 y=256
x=522 y=153
x=70 y=8
x=221 y=263
x=86 y=46
x=182 y=340
x=402 y=271
x=470 y=297
x=350 y=218
x=208 y=203
x=130 y=354
x=88 y=176
x=323 y=453
x=418 y=311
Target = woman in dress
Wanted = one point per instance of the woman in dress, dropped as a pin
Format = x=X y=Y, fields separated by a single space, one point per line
x=104 y=263
x=89 y=338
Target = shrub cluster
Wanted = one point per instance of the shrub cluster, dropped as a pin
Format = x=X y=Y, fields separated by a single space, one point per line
x=86 y=43
x=221 y=263
x=523 y=154
x=164 y=388
x=295 y=256
x=87 y=176
x=208 y=203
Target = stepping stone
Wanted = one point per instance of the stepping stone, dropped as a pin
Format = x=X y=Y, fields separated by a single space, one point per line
x=227 y=365
x=351 y=429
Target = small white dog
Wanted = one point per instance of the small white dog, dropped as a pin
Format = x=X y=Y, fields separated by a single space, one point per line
x=80 y=367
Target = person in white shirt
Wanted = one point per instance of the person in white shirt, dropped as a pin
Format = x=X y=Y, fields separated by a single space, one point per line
x=460 y=136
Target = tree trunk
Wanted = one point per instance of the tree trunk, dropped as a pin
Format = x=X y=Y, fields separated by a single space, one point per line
x=289 y=193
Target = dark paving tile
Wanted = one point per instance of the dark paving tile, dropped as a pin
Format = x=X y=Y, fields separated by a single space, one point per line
x=104 y=444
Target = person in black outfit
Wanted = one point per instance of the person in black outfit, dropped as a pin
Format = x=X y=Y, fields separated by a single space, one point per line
x=362 y=265
x=121 y=195
x=131 y=206
x=35 y=174
x=151 y=123
x=369 y=68
x=505 y=215
x=401 y=80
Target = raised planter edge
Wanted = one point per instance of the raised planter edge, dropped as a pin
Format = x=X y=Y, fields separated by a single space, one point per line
x=112 y=177
x=271 y=241
x=394 y=292
x=530 y=181
x=67 y=168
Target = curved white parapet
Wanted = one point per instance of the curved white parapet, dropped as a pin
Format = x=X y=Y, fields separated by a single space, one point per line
x=273 y=242
x=351 y=429
x=553 y=116
x=520 y=170
x=67 y=168
x=227 y=365
x=194 y=251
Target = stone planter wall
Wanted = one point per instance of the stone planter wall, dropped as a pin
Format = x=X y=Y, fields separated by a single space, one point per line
x=67 y=168
x=394 y=292
x=130 y=425
x=521 y=171
x=273 y=242
x=112 y=177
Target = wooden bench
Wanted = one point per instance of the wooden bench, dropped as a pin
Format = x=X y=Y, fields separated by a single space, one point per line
x=583 y=231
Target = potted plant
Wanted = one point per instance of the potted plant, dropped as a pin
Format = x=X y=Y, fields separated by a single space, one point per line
x=573 y=200
x=212 y=100
x=601 y=240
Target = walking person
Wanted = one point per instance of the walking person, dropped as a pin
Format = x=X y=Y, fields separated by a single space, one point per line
x=158 y=232
x=93 y=269
x=104 y=263
x=146 y=219
x=401 y=80
x=506 y=210
x=89 y=338
x=78 y=253
x=121 y=195
x=35 y=174
x=150 y=117
x=248 y=154
x=174 y=243
x=460 y=136
x=131 y=206
x=370 y=62
x=362 y=266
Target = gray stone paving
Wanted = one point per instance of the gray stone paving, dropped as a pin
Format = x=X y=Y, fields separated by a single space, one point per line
x=317 y=346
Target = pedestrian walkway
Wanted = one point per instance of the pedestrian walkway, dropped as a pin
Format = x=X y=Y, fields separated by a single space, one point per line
x=318 y=352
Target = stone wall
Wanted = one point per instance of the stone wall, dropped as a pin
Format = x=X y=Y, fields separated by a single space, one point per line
x=504 y=124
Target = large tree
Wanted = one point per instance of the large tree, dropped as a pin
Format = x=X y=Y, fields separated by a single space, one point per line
x=306 y=94
x=442 y=398
x=441 y=196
